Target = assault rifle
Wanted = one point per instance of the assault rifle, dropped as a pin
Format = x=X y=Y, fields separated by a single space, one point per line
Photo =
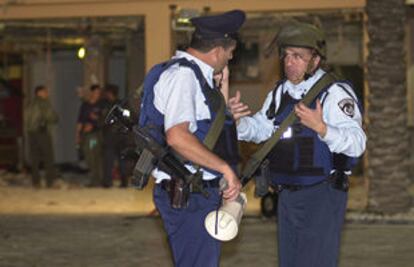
x=152 y=154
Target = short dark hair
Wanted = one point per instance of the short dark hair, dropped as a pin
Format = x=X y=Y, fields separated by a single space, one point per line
x=205 y=45
x=94 y=87
x=39 y=88
x=112 y=88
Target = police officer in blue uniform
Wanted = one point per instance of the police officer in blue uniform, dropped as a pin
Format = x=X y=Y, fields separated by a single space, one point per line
x=310 y=163
x=179 y=105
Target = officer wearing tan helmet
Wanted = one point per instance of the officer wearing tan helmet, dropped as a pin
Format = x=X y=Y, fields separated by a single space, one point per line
x=309 y=165
x=303 y=38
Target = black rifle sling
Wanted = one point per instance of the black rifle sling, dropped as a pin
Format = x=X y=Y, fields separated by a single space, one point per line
x=255 y=161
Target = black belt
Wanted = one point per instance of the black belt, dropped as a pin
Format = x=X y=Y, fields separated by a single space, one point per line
x=297 y=187
x=215 y=183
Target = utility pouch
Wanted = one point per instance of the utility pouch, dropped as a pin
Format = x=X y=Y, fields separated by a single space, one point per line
x=179 y=193
x=339 y=180
x=143 y=169
x=196 y=185
x=282 y=156
x=262 y=180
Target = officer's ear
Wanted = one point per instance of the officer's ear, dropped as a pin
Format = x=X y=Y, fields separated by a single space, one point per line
x=216 y=50
x=215 y=53
x=315 y=61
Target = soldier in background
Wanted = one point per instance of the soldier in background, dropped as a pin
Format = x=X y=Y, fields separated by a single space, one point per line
x=113 y=141
x=89 y=136
x=39 y=119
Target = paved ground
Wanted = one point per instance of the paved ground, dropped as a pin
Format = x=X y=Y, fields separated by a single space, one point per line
x=18 y=197
x=107 y=241
x=76 y=226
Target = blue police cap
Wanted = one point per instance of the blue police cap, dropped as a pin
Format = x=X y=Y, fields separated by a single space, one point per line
x=220 y=26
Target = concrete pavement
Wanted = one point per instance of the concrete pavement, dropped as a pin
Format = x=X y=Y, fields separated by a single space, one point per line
x=127 y=241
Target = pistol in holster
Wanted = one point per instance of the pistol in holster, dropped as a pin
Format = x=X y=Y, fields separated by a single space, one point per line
x=179 y=193
x=262 y=180
x=339 y=180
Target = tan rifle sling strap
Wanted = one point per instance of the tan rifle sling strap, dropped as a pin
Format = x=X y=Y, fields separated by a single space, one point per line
x=255 y=161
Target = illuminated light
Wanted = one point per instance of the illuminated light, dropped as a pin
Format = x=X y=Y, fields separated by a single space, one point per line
x=81 y=52
x=184 y=20
x=126 y=113
x=288 y=133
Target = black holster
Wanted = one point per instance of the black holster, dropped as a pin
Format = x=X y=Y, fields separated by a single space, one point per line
x=179 y=192
x=339 y=180
x=262 y=180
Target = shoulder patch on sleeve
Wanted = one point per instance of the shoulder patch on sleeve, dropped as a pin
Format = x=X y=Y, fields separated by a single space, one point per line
x=347 y=106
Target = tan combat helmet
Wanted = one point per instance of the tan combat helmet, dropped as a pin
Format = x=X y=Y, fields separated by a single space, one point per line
x=301 y=34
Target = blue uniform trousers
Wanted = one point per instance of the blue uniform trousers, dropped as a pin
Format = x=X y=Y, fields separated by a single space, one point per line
x=309 y=226
x=190 y=243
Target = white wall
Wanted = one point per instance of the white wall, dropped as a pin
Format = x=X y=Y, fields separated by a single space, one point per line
x=117 y=72
x=62 y=75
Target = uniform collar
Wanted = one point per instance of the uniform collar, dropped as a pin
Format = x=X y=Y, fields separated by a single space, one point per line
x=298 y=91
x=206 y=69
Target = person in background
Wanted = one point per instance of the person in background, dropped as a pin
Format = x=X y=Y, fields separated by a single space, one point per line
x=39 y=119
x=89 y=136
x=113 y=141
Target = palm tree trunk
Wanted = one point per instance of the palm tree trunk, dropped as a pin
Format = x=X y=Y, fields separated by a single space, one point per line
x=388 y=135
